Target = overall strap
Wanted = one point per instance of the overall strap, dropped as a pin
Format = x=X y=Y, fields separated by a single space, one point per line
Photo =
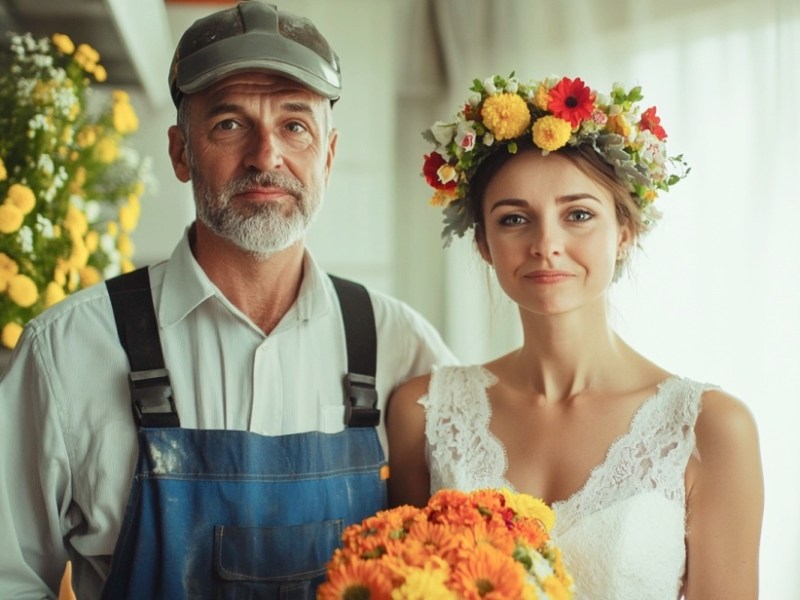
x=361 y=397
x=137 y=328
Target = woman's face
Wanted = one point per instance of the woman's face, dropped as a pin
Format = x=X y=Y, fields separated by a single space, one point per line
x=551 y=233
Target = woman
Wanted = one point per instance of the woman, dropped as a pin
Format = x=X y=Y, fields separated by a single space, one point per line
x=655 y=479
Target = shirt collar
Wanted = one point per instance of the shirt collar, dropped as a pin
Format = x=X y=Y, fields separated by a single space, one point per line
x=186 y=286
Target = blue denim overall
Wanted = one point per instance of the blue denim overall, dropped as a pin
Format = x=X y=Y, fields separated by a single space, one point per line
x=217 y=514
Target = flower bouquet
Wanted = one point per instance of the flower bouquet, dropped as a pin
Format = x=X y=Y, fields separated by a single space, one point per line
x=485 y=544
x=69 y=183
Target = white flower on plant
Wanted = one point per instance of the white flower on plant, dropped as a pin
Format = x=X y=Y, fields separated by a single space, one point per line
x=651 y=149
x=26 y=239
x=108 y=243
x=512 y=86
x=113 y=268
x=44 y=226
x=474 y=100
x=488 y=139
x=92 y=210
x=489 y=86
x=46 y=164
x=37 y=123
x=50 y=193
x=43 y=62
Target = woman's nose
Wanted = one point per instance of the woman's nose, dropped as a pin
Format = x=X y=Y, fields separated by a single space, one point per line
x=547 y=240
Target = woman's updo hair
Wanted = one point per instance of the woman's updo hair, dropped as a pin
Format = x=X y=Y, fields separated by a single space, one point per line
x=586 y=159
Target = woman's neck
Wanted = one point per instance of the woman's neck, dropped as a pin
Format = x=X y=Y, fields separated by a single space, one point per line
x=565 y=355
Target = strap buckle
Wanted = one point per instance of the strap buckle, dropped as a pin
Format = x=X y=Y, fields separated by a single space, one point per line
x=153 y=403
x=360 y=407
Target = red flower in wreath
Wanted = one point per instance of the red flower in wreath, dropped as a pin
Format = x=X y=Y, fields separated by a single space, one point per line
x=571 y=100
x=652 y=122
x=430 y=168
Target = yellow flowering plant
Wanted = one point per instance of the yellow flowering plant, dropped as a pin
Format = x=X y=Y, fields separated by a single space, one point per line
x=552 y=113
x=70 y=184
x=485 y=544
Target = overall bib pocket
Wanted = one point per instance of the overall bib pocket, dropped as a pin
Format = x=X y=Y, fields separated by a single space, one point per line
x=285 y=562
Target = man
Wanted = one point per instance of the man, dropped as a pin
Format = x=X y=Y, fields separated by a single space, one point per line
x=254 y=391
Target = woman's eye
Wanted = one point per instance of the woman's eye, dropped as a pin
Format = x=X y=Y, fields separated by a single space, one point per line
x=580 y=215
x=512 y=220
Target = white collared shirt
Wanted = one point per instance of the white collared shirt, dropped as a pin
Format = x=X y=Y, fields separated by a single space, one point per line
x=67 y=438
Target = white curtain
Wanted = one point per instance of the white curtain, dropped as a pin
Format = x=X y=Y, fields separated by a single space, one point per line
x=715 y=293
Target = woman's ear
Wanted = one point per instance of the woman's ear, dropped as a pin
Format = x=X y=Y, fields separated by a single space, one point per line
x=480 y=242
x=625 y=240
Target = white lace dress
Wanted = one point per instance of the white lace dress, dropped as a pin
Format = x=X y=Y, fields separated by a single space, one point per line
x=622 y=534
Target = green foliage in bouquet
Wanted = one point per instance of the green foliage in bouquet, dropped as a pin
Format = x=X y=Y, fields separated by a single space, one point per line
x=70 y=184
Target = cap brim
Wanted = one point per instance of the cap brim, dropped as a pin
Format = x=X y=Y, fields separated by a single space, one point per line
x=255 y=51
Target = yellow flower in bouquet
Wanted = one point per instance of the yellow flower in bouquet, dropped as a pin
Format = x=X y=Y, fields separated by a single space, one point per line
x=486 y=544
x=70 y=183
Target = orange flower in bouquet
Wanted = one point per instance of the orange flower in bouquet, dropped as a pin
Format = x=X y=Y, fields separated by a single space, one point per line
x=486 y=544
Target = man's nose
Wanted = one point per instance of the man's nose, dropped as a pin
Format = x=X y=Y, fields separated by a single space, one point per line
x=265 y=152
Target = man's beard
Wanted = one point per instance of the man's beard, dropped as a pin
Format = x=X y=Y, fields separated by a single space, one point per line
x=263 y=229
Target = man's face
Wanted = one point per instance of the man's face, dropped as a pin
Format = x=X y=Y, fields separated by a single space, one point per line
x=258 y=154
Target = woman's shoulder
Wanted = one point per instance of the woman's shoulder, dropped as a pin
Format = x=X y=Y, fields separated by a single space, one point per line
x=725 y=421
x=442 y=376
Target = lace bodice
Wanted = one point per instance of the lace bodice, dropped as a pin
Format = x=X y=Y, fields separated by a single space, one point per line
x=622 y=533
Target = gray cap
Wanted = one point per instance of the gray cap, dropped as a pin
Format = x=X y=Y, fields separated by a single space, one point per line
x=253 y=36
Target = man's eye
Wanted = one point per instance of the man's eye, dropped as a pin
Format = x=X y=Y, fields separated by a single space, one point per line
x=227 y=125
x=296 y=127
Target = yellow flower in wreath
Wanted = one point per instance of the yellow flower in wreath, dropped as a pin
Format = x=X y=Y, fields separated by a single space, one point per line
x=551 y=133
x=506 y=115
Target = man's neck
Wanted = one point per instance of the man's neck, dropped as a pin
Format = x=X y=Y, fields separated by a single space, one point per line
x=262 y=288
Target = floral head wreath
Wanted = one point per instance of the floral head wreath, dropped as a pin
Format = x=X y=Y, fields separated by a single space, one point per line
x=553 y=113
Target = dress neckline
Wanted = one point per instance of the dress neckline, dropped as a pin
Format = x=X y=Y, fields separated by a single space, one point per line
x=593 y=473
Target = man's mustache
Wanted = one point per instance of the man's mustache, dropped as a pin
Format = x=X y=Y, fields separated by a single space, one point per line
x=288 y=184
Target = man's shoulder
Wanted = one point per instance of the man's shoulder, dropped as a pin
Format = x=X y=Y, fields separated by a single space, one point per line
x=392 y=309
x=90 y=303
